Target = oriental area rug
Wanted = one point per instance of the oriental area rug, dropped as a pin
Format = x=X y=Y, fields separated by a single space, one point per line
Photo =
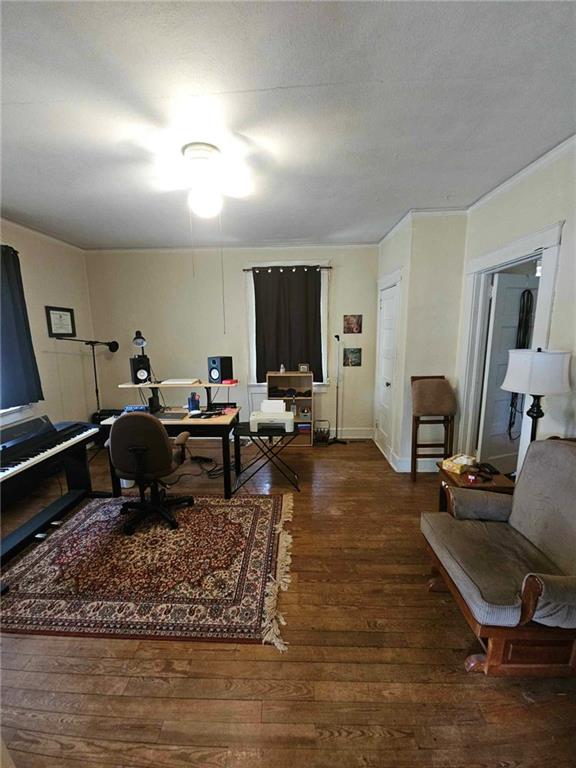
x=217 y=577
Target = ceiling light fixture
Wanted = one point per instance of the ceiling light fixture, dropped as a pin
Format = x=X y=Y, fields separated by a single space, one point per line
x=204 y=173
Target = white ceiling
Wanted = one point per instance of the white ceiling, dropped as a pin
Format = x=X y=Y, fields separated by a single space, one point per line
x=350 y=113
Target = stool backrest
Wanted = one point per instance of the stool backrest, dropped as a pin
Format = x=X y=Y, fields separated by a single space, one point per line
x=433 y=396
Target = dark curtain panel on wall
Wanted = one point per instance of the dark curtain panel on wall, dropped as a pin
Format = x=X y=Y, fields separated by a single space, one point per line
x=288 y=319
x=19 y=377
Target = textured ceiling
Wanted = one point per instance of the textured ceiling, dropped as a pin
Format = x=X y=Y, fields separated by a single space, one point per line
x=348 y=113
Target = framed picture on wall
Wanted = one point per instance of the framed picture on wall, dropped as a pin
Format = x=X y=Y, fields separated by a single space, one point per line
x=352 y=324
x=60 y=321
x=352 y=357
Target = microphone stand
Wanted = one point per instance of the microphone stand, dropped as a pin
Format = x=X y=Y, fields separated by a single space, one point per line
x=336 y=440
x=112 y=346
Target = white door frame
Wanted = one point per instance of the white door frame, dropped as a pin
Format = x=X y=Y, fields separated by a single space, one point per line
x=545 y=244
x=388 y=280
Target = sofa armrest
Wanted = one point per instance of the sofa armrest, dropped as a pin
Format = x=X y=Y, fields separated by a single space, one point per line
x=548 y=591
x=472 y=504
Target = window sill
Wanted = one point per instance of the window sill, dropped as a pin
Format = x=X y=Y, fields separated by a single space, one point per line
x=11 y=415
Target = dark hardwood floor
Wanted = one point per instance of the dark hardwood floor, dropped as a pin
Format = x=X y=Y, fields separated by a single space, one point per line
x=373 y=677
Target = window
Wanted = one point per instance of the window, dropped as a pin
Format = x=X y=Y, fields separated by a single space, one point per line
x=19 y=377
x=287 y=318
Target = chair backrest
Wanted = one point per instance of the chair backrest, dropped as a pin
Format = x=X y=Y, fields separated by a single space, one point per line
x=544 y=504
x=135 y=430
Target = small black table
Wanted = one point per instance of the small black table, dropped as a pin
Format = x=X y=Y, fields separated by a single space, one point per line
x=268 y=452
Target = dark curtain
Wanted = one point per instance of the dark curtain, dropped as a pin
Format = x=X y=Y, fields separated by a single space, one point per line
x=288 y=319
x=19 y=377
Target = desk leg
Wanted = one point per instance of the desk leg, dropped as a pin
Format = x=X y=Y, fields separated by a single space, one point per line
x=226 y=466
x=114 y=479
x=237 y=456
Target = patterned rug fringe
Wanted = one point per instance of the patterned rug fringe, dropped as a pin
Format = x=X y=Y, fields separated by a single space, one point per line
x=273 y=619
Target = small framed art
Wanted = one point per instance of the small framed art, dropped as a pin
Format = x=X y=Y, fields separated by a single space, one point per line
x=352 y=324
x=303 y=368
x=352 y=357
x=60 y=321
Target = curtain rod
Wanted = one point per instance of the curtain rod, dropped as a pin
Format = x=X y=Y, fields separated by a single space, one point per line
x=284 y=266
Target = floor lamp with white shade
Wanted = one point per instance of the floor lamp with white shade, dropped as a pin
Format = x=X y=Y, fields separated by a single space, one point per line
x=537 y=372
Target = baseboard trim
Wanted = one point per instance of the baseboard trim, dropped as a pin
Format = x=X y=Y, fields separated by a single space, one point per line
x=352 y=433
x=401 y=464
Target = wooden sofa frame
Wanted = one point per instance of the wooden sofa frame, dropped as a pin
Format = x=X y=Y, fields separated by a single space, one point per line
x=527 y=650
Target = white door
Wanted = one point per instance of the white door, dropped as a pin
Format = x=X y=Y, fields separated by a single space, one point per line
x=494 y=442
x=388 y=310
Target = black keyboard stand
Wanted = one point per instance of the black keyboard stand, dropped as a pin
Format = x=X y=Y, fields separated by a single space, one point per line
x=74 y=461
x=268 y=453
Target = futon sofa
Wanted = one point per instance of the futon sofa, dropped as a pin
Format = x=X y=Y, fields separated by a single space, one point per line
x=510 y=562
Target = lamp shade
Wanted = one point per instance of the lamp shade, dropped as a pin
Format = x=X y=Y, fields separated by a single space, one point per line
x=537 y=372
x=139 y=340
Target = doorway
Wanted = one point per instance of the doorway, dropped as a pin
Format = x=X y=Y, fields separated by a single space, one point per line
x=544 y=244
x=385 y=365
x=510 y=325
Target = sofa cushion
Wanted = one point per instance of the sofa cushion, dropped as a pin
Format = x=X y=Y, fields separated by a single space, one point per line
x=544 y=505
x=487 y=561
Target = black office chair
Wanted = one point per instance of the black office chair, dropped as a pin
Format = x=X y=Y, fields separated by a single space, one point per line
x=140 y=450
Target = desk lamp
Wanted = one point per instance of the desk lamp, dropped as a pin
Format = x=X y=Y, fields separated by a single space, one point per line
x=141 y=371
x=139 y=341
x=532 y=371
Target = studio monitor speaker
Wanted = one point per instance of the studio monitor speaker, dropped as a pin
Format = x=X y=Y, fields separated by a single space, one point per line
x=219 y=369
x=140 y=369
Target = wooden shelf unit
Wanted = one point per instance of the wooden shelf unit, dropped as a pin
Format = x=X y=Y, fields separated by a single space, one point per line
x=300 y=382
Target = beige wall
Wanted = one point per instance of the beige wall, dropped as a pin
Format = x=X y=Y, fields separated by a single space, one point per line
x=395 y=257
x=53 y=273
x=538 y=198
x=175 y=298
x=429 y=249
x=433 y=251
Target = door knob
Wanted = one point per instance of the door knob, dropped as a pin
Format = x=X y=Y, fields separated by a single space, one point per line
x=387 y=383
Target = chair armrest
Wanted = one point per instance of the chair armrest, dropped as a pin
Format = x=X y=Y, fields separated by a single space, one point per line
x=179 y=450
x=472 y=504
x=182 y=438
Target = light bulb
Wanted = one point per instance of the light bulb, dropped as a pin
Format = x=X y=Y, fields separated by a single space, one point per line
x=205 y=203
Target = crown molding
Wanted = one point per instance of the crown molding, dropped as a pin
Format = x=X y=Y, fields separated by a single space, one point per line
x=399 y=224
x=429 y=212
x=417 y=213
x=540 y=162
x=40 y=233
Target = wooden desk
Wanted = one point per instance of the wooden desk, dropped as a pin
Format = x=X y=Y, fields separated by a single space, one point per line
x=498 y=484
x=216 y=426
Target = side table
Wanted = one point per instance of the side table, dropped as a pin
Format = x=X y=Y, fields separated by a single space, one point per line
x=498 y=484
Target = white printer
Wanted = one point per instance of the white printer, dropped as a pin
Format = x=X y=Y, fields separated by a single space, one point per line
x=272 y=413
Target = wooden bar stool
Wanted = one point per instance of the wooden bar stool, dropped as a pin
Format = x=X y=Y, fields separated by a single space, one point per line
x=433 y=402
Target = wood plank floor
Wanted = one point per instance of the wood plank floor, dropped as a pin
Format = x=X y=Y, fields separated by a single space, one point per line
x=373 y=677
